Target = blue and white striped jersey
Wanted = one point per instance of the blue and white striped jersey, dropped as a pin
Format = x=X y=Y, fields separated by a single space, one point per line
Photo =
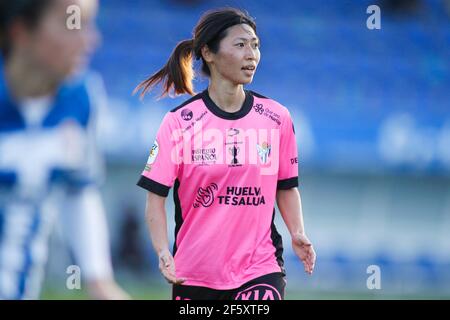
x=56 y=151
x=60 y=149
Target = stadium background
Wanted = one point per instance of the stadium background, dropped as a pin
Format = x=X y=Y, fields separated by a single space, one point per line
x=371 y=109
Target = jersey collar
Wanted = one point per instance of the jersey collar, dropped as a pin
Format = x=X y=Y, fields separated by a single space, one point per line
x=242 y=112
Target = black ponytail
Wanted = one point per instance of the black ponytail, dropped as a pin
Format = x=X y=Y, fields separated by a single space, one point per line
x=177 y=74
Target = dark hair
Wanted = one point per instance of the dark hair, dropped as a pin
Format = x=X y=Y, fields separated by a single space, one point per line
x=177 y=73
x=29 y=11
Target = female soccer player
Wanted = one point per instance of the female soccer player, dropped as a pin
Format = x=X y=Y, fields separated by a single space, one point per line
x=47 y=147
x=230 y=153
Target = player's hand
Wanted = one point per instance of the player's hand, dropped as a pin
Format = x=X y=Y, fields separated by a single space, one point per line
x=303 y=248
x=167 y=267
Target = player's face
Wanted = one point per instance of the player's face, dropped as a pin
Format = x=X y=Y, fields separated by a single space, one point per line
x=238 y=55
x=59 y=47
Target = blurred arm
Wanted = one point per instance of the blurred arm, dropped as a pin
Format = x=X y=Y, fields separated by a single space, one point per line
x=85 y=227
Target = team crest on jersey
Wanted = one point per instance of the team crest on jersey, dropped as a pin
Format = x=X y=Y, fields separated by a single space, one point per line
x=152 y=157
x=263 y=152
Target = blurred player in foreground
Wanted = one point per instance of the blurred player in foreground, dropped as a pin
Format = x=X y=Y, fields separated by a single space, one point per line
x=230 y=153
x=47 y=149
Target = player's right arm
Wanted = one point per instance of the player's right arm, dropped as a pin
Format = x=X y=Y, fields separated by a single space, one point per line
x=157 y=178
x=155 y=216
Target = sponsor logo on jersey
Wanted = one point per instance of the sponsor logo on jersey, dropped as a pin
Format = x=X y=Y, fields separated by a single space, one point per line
x=275 y=117
x=259 y=108
x=242 y=196
x=232 y=132
x=204 y=156
x=234 y=196
x=186 y=114
x=205 y=196
x=259 y=292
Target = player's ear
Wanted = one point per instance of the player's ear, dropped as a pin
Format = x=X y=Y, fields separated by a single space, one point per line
x=207 y=54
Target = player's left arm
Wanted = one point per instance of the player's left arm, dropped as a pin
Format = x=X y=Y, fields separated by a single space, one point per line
x=288 y=196
x=289 y=203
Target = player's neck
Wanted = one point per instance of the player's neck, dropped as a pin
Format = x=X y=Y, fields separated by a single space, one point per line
x=26 y=81
x=226 y=96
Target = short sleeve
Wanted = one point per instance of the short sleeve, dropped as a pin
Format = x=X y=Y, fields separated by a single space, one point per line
x=162 y=165
x=288 y=161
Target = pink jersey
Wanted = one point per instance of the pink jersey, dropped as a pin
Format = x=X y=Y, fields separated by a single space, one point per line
x=225 y=169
